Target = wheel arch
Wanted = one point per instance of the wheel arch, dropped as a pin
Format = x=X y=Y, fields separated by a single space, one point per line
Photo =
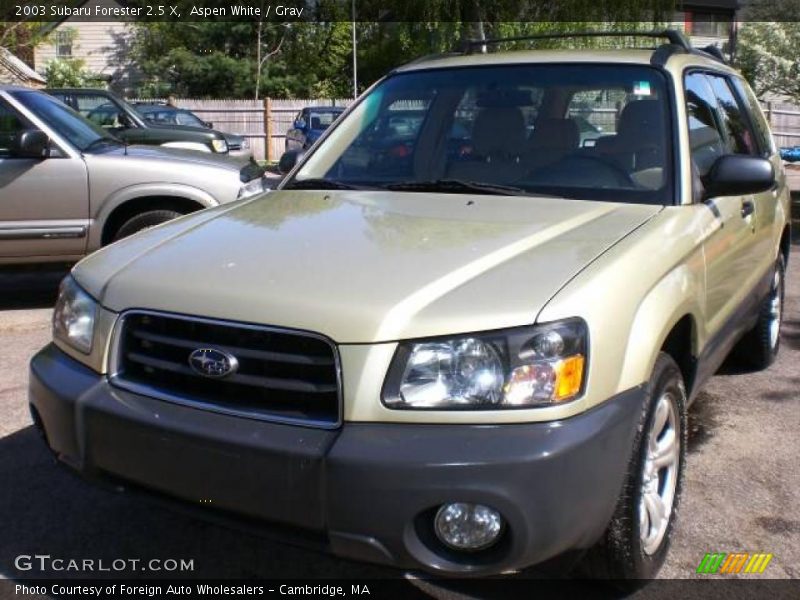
x=128 y=201
x=668 y=319
x=785 y=244
x=135 y=206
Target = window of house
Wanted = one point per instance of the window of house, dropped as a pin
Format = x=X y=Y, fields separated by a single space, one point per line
x=709 y=24
x=63 y=43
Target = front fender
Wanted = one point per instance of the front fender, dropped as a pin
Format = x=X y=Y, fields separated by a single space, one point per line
x=133 y=192
x=676 y=295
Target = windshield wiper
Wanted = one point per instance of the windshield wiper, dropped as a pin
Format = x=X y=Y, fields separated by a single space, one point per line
x=319 y=183
x=457 y=186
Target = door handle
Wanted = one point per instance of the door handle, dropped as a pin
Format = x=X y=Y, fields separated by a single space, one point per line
x=748 y=208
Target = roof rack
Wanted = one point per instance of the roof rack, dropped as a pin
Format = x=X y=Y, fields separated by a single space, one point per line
x=712 y=51
x=676 y=42
x=673 y=36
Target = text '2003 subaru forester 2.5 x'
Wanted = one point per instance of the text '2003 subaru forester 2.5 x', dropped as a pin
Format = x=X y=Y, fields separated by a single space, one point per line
x=457 y=338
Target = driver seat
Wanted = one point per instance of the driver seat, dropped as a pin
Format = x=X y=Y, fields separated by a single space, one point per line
x=498 y=143
x=639 y=143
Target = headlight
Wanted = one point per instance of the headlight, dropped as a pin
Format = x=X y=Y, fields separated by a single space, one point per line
x=251 y=188
x=219 y=145
x=73 y=316
x=541 y=365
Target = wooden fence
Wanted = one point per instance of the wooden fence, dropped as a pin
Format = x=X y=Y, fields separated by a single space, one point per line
x=265 y=122
x=784 y=120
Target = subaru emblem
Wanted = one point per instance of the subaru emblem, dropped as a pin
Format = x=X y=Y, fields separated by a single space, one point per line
x=210 y=362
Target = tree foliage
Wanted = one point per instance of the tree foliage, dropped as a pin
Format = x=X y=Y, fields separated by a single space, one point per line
x=246 y=58
x=768 y=49
x=68 y=72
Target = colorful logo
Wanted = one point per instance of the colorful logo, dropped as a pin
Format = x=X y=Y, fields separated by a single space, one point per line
x=736 y=562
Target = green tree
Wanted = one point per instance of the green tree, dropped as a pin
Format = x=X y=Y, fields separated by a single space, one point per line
x=68 y=72
x=252 y=58
x=768 y=48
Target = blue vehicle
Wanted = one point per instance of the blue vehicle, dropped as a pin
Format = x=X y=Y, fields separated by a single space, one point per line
x=309 y=124
x=791 y=154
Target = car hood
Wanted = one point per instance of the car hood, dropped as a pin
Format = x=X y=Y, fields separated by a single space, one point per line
x=362 y=266
x=233 y=139
x=179 y=155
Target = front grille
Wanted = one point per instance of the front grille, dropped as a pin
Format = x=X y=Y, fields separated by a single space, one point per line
x=282 y=375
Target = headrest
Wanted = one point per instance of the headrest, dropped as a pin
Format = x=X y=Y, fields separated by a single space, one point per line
x=641 y=119
x=555 y=133
x=499 y=131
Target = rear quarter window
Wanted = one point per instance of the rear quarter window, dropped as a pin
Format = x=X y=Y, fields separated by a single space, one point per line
x=757 y=118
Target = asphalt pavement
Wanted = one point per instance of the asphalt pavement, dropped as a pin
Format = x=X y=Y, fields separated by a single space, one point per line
x=741 y=492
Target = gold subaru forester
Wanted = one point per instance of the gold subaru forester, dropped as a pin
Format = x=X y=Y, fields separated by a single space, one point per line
x=463 y=334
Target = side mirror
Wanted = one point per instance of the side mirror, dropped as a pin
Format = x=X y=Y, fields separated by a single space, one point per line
x=289 y=160
x=300 y=124
x=736 y=175
x=208 y=124
x=31 y=143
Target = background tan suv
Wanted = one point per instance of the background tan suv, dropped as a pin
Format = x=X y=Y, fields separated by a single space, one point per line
x=459 y=337
x=68 y=187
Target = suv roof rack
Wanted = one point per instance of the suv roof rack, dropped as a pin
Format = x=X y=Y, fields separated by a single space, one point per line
x=676 y=42
x=674 y=37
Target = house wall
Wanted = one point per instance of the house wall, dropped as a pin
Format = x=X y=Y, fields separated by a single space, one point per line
x=102 y=45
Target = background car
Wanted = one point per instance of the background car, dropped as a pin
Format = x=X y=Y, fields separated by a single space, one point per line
x=309 y=124
x=588 y=131
x=123 y=121
x=164 y=115
x=69 y=186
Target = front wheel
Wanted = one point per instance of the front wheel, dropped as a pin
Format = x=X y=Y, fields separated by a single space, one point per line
x=143 y=221
x=636 y=541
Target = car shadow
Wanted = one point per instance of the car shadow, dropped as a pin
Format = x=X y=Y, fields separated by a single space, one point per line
x=47 y=510
x=29 y=288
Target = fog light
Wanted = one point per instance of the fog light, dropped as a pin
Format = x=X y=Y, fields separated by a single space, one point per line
x=464 y=526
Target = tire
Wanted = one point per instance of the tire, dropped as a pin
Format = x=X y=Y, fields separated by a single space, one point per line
x=143 y=221
x=624 y=554
x=759 y=346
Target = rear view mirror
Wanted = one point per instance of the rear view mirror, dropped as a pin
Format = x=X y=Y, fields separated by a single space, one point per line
x=289 y=160
x=31 y=143
x=737 y=175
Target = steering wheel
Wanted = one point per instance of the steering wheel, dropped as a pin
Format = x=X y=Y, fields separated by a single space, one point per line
x=596 y=170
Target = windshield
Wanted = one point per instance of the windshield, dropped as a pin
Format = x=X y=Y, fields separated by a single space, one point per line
x=591 y=131
x=77 y=130
x=169 y=116
x=321 y=120
x=187 y=118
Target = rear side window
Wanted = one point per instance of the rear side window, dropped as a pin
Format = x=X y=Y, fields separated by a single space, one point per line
x=757 y=118
x=739 y=137
x=705 y=131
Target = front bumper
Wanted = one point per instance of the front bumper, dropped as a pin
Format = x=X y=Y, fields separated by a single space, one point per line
x=368 y=490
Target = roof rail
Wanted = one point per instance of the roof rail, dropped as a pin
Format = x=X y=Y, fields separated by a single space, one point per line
x=711 y=51
x=673 y=36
